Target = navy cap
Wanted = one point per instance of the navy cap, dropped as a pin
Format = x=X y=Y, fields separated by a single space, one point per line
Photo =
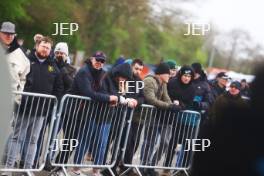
x=236 y=84
x=99 y=55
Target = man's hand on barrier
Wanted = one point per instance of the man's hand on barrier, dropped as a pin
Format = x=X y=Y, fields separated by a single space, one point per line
x=176 y=102
x=132 y=103
x=113 y=100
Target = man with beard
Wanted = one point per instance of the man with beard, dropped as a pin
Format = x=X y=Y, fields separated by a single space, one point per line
x=45 y=78
x=137 y=67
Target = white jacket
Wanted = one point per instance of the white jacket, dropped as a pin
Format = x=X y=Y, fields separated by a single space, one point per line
x=19 y=67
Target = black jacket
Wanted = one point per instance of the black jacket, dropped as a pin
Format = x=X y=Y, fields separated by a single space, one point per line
x=203 y=93
x=110 y=85
x=133 y=89
x=44 y=77
x=68 y=72
x=181 y=92
x=88 y=82
x=216 y=89
x=224 y=102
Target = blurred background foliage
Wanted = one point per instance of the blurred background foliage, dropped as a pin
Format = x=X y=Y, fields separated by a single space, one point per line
x=116 y=27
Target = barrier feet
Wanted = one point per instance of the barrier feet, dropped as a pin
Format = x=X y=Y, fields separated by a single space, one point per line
x=181 y=173
x=126 y=171
x=138 y=171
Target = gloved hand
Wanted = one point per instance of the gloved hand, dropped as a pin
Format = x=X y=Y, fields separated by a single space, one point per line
x=122 y=100
x=196 y=105
x=175 y=108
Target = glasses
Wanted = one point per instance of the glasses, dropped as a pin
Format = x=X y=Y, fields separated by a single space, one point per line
x=100 y=60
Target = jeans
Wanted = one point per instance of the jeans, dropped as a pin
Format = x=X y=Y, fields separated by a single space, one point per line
x=156 y=141
x=94 y=137
x=25 y=129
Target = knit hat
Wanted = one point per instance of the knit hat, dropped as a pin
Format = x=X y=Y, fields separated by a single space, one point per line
x=186 y=70
x=62 y=47
x=162 y=68
x=171 y=63
x=236 y=84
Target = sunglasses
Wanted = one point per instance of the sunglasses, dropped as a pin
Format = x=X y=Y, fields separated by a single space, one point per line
x=100 y=60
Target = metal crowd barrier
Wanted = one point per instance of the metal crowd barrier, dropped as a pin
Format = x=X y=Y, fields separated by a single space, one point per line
x=87 y=128
x=26 y=147
x=157 y=139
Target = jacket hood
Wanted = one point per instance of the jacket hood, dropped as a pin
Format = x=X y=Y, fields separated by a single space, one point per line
x=122 y=70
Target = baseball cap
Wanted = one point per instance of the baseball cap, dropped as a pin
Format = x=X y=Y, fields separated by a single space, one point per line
x=222 y=75
x=236 y=84
x=99 y=55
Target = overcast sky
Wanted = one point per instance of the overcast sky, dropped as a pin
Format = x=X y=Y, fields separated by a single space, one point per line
x=227 y=14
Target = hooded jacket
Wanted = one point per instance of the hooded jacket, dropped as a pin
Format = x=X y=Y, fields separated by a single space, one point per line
x=184 y=93
x=111 y=86
x=177 y=90
x=203 y=93
x=68 y=72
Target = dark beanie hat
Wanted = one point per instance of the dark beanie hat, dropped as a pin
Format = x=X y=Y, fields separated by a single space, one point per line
x=162 y=68
x=186 y=70
x=171 y=63
x=236 y=84
x=197 y=67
